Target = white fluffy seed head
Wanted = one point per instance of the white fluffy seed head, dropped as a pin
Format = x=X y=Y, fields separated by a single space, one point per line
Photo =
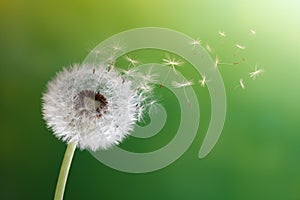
x=94 y=107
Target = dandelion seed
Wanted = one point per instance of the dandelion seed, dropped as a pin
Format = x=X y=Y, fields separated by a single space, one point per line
x=172 y=62
x=167 y=75
x=117 y=47
x=131 y=61
x=252 y=32
x=203 y=81
x=256 y=72
x=195 y=43
x=208 y=48
x=182 y=84
x=221 y=33
x=111 y=65
x=242 y=84
x=240 y=46
x=217 y=62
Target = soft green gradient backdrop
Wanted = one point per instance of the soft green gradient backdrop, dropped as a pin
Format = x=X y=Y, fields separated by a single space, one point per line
x=257 y=156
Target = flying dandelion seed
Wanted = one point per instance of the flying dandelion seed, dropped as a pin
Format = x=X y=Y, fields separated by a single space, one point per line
x=217 y=62
x=252 y=32
x=240 y=46
x=256 y=72
x=242 y=84
x=203 y=81
x=221 y=33
x=182 y=84
x=172 y=62
x=208 y=48
x=195 y=43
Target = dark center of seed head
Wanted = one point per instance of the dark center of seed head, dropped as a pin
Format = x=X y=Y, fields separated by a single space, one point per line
x=91 y=103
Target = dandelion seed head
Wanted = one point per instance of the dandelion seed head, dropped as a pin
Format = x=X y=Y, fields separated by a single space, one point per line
x=93 y=107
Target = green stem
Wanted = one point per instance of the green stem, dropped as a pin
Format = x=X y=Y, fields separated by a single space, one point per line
x=64 y=170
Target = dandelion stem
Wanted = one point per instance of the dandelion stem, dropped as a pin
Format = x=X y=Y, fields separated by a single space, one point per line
x=64 y=170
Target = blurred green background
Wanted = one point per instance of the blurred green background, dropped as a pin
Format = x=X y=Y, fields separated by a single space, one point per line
x=257 y=156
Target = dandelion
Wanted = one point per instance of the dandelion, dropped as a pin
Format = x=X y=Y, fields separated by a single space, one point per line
x=91 y=108
x=256 y=72
x=221 y=33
